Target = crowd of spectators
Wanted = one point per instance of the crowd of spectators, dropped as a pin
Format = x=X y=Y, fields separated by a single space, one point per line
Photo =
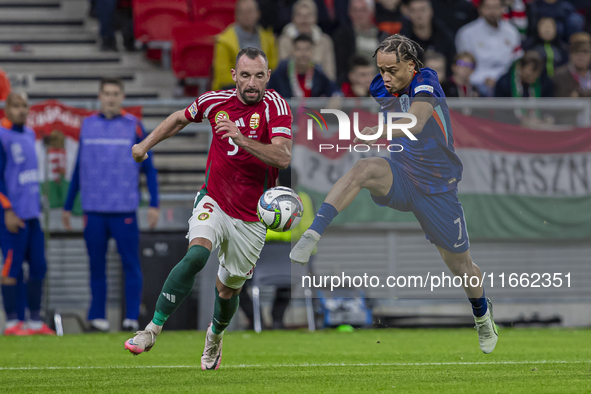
x=505 y=48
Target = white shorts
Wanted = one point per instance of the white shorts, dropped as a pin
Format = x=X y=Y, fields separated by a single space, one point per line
x=240 y=242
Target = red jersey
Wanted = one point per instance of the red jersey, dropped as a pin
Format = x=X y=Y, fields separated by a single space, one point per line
x=234 y=178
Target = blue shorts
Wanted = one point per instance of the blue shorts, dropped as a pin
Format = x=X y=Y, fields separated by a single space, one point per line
x=441 y=215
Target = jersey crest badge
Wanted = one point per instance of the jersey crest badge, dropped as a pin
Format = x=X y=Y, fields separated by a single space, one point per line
x=254 y=120
x=221 y=115
x=404 y=103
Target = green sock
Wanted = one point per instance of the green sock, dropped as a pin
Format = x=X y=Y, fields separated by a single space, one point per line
x=223 y=311
x=179 y=283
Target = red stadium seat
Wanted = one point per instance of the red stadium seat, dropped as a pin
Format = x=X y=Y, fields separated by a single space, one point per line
x=216 y=14
x=199 y=5
x=192 y=52
x=154 y=20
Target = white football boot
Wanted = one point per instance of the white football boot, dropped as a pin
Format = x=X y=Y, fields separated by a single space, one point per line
x=487 y=330
x=143 y=340
x=305 y=247
x=212 y=354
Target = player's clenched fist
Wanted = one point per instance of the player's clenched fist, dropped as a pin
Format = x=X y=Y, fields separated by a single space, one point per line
x=231 y=131
x=138 y=153
x=368 y=131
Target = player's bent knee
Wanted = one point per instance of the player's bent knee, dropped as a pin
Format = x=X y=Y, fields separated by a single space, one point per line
x=206 y=243
x=370 y=168
x=362 y=168
x=197 y=256
x=226 y=292
x=374 y=174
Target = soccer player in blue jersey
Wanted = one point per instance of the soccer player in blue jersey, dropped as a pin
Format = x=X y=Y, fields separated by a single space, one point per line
x=421 y=179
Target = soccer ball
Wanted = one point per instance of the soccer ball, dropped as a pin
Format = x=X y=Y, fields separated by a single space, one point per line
x=280 y=209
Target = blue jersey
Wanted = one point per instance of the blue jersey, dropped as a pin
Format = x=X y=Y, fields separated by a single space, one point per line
x=430 y=162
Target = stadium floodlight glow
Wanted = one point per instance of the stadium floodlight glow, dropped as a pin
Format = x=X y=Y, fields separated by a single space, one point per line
x=345 y=124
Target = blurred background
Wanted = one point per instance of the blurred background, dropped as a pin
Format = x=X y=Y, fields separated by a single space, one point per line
x=519 y=66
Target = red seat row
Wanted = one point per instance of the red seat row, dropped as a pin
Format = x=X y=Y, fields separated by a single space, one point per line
x=191 y=26
x=155 y=19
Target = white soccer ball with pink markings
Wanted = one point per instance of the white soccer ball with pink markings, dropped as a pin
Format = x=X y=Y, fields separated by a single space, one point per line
x=280 y=209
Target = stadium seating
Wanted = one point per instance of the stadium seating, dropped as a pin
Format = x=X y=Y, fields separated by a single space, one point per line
x=192 y=49
x=220 y=14
x=192 y=53
x=200 y=6
x=155 y=19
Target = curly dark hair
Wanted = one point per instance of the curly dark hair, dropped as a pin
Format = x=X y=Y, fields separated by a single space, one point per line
x=404 y=48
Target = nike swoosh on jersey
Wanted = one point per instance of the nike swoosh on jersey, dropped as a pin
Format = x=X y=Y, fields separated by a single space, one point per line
x=457 y=246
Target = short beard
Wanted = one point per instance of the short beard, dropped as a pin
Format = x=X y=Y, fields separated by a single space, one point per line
x=249 y=100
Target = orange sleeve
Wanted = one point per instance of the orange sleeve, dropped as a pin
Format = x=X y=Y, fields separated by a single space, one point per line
x=4 y=86
x=5 y=202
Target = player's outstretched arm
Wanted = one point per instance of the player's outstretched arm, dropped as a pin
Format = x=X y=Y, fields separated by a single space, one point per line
x=423 y=110
x=276 y=154
x=168 y=128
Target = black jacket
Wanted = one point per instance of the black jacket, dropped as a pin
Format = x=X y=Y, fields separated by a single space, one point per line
x=442 y=41
x=345 y=48
x=321 y=85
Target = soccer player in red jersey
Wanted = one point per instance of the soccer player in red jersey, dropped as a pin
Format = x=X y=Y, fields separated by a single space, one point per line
x=252 y=140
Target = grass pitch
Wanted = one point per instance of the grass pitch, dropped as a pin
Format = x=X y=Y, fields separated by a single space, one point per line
x=366 y=361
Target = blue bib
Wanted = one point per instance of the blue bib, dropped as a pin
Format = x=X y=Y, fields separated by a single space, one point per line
x=21 y=172
x=109 y=177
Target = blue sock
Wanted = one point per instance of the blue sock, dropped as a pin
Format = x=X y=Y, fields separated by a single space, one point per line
x=9 y=294
x=21 y=299
x=34 y=290
x=323 y=218
x=479 y=305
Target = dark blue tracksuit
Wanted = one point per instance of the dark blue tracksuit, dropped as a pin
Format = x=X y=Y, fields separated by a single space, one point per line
x=108 y=180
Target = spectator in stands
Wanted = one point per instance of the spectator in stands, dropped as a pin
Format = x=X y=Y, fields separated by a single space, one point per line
x=361 y=38
x=525 y=78
x=568 y=21
x=548 y=45
x=244 y=33
x=359 y=78
x=389 y=16
x=515 y=13
x=436 y=62
x=4 y=85
x=337 y=14
x=574 y=78
x=108 y=180
x=300 y=76
x=426 y=31
x=276 y=14
x=494 y=43
x=21 y=237
x=454 y=14
x=458 y=84
x=304 y=19
x=115 y=15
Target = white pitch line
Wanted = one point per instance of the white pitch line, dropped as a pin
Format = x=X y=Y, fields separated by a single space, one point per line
x=301 y=365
